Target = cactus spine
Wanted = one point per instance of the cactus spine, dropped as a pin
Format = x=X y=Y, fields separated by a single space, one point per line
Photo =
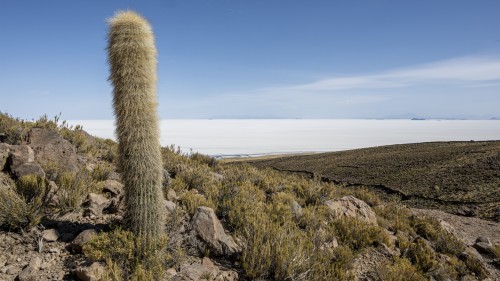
x=132 y=59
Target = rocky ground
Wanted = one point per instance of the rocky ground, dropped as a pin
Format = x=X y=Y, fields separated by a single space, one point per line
x=211 y=250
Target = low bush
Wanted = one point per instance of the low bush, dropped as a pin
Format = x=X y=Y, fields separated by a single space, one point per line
x=22 y=205
x=399 y=269
x=125 y=257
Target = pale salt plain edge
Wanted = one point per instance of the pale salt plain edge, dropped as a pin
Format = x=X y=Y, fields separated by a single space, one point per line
x=258 y=137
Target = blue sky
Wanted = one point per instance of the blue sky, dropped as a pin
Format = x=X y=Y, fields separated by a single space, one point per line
x=275 y=59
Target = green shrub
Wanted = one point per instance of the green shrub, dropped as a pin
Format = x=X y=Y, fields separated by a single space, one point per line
x=422 y=255
x=358 y=234
x=23 y=205
x=191 y=200
x=399 y=269
x=122 y=252
x=14 y=211
x=443 y=241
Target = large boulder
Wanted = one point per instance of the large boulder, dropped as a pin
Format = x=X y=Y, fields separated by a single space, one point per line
x=210 y=230
x=350 y=206
x=51 y=149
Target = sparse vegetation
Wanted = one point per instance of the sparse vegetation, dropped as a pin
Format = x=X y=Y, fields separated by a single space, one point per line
x=444 y=175
x=256 y=206
x=124 y=256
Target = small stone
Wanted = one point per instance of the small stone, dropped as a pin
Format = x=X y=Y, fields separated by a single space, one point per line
x=296 y=209
x=95 y=204
x=169 y=206
x=483 y=239
x=18 y=259
x=166 y=179
x=113 y=187
x=171 y=195
x=216 y=176
x=29 y=273
x=45 y=265
x=55 y=251
x=82 y=238
x=114 y=176
x=10 y=269
x=94 y=272
x=50 y=235
x=171 y=272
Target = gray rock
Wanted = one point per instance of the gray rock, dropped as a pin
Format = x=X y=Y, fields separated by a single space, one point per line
x=82 y=238
x=204 y=270
x=210 y=230
x=30 y=168
x=4 y=154
x=51 y=149
x=95 y=203
x=296 y=209
x=54 y=251
x=29 y=273
x=18 y=155
x=171 y=195
x=483 y=245
x=50 y=235
x=483 y=239
x=10 y=269
x=350 y=206
x=114 y=176
x=166 y=179
x=94 y=272
x=169 y=206
x=113 y=187
x=216 y=176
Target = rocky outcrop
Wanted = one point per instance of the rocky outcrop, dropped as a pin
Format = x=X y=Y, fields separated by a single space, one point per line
x=210 y=230
x=51 y=149
x=350 y=206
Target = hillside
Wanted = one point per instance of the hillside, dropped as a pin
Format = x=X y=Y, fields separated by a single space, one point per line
x=458 y=177
x=61 y=211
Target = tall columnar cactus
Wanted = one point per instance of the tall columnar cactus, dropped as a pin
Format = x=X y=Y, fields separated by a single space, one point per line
x=132 y=59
